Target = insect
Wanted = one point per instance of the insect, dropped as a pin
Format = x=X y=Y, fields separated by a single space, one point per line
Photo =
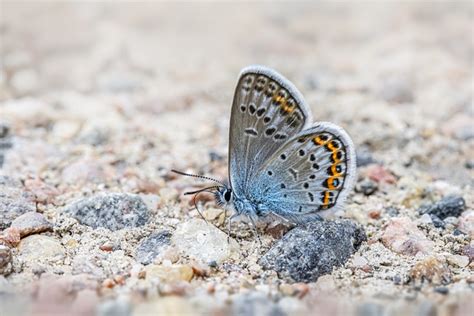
x=280 y=163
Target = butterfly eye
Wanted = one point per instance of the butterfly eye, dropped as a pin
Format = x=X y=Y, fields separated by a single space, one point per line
x=228 y=195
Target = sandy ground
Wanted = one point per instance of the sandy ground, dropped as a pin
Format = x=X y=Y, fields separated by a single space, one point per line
x=102 y=98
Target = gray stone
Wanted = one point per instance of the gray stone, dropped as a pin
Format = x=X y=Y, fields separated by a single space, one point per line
x=113 y=211
x=14 y=201
x=309 y=251
x=366 y=187
x=151 y=246
x=364 y=157
x=451 y=205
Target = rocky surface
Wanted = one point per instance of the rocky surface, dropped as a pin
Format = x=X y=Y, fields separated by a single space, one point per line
x=91 y=219
x=312 y=250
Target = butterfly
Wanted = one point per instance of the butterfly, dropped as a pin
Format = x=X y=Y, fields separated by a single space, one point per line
x=280 y=163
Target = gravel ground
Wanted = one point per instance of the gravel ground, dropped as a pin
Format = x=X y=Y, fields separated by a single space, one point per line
x=100 y=100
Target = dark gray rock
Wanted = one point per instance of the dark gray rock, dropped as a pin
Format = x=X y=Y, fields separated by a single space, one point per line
x=113 y=211
x=5 y=141
x=451 y=205
x=151 y=246
x=366 y=187
x=437 y=222
x=364 y=157
x=14 y=201
x=309 y=251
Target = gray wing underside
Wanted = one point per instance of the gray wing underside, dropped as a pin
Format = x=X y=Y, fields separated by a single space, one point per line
x=311 y=174
x=267 y=111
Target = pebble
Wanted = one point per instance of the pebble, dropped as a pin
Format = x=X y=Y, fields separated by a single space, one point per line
x=379 y=174
x=437 y=222
x=169 y=274
x=84 y=171
x=14 y=201
x=40 y=248
x=113 y=211
x=31 y=223
x=366 y=187
x=402 y=236
x=151 y=246
x=466 y=223
x=448 y=206
x=468 y=251
x=364 y=158
x=431 y=269
x=458 y=260
x=5 y=260
x=42 y=192
x=204 y=242
x=309 y=251
x=442 y=290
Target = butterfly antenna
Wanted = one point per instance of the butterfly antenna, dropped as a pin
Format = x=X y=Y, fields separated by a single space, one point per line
x=197 y=176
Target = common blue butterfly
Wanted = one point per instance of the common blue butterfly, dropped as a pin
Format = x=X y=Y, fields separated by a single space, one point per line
x=280 y=163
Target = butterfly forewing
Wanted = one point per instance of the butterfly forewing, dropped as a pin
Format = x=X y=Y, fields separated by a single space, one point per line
x=311 y=173
x=267 y=111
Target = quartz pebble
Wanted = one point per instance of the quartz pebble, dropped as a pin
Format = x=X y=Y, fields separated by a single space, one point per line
x=204 y=242
x=39 y=248
x=466 y=223
x=401 y=235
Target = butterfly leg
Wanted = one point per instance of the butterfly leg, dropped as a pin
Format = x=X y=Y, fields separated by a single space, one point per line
x=230 y=226
x=255 y=230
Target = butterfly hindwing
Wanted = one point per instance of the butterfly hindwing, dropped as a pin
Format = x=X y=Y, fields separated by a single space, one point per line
x=267 y=111
x=311 y=173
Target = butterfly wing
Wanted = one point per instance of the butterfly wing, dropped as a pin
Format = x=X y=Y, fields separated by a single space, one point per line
x=311 y=173
x=267 y=111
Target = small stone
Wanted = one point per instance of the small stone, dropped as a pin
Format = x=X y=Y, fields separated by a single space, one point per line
x=374 y=214
x=10 y=237
x=379 y=174
x=442 y=290
x=457 y=260
x=31 y=223
x=169 y=274
x=437 y=222
x=468 y=251
x=360 y=262
x=5 y=260
x=312 y=250
x=366 y=187
x=14 y=201
x=84 y=171
x=42 y=192
x=107 y=246
x=402 y=236
x=364 y=158
x=448 y=206
x=204 y=242
x=466 y=223
x=113 y=211
x=432 y=270
x=108 y=283
x=39 y=248
x=151 y=246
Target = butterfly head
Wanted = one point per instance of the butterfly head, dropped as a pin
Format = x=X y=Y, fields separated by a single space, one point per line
x=224 y=196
